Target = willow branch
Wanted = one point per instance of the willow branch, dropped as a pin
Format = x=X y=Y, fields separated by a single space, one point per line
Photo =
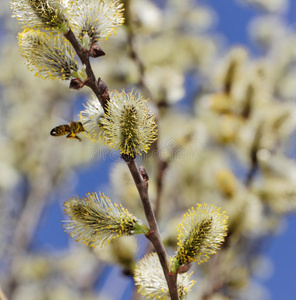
x=253 y=156
x=99 y=87
x=251 y=173
x=134 y=54
x=153 y=236
x=161 y=167
x=101 y=91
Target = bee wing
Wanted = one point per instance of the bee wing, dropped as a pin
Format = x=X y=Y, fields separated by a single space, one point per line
x=63 y=112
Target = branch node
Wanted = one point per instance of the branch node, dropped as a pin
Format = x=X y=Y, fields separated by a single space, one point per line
x=150 y=232
x=143 y=173
x=103 y=91
x=184 y=268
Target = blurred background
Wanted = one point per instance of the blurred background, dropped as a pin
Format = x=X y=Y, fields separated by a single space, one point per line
x=221 y=78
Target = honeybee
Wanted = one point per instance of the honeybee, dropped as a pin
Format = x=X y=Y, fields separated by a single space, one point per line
x=71 y=130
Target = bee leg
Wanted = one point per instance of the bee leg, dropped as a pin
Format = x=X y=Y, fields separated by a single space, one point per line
x=71 y=135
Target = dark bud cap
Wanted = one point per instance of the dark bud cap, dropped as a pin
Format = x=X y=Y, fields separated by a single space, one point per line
x=103 y=88
x=96 y=51
x=76 y=84
x=104 y=91
x=184 y=268
x=143 y=173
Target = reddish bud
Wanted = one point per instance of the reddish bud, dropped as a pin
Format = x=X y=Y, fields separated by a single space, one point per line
x=76 y=84
x=96 y=51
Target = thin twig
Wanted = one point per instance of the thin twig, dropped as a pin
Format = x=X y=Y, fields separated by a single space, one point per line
x=29 y=217
x=142 y=185
x=161 y=167
x=251 y=174
x=134 y=54
x=253 y=156
x=99 y=87
x=154 y=235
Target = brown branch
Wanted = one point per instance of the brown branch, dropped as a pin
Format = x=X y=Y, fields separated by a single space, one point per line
x=218 y=285
x=134 y=54
x=101 y=91
x=142 y=184
x=33 y=205
x=99 y=87
x=161 y=167
x=253 y=157
x=25 y=228
x=251 y=173
x=154 y=235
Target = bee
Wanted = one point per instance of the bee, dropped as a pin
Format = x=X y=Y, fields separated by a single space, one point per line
x=71 y=130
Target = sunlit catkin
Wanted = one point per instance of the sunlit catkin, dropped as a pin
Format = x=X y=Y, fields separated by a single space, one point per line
x=201 y=234
x=129 y=125
x=149 y=278
x=45 y=14
x=49 y=54
x=95 y=220
x=93 y=20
